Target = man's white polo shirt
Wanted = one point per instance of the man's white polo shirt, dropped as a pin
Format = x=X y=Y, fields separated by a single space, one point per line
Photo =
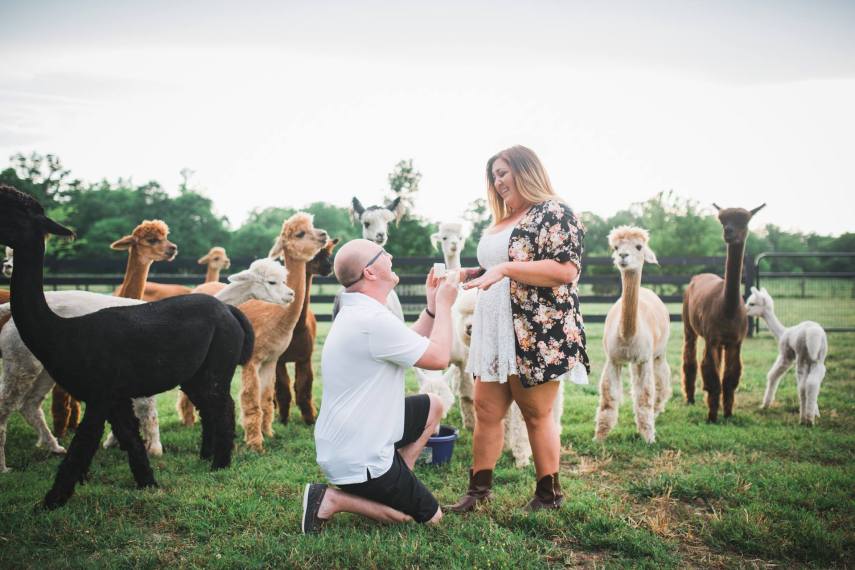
x=362 y=411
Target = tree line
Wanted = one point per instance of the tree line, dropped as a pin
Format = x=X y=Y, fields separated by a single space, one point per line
x=103 y=211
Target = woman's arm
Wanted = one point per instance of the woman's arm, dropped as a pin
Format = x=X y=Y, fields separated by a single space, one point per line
x=543 y=273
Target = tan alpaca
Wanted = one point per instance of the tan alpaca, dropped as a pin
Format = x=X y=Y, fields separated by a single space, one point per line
x=146 y=244
x=635 y=333
x=298 y=243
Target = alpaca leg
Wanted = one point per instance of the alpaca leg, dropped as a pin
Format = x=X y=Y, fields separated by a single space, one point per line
x=13 y=388
x=223 y=422
x=59 y=408
x=812 y=384
x=5 y=412
x=732 y=374
x=773 y=378
x=516 y=436
x=283 y=391
x=268 y=388
x=250 y=406
x=712 y=382
x=465 y=393
x=126 y=426
x=611 y=394
x=145 y=409
x=304 y=379
x=643 y=396
x=31 y=408
x=662 y=375
x=80 y=452
x=195 y=397
x=73 y=413
x=186 y=409
x=690 y=358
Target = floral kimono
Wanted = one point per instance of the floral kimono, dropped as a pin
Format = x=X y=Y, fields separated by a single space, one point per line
x=550 y=332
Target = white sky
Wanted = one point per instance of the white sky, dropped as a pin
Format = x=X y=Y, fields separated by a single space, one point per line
x=282 y=104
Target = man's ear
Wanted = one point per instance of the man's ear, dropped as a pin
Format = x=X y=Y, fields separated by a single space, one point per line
x=124 y=244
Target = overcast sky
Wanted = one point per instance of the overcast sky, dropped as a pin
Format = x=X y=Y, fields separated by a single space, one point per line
x=285 y=103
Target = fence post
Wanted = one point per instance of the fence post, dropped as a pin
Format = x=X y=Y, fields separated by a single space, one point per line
x=748 y=276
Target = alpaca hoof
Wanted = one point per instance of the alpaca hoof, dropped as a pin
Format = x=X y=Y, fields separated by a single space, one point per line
x=58 y=450
x=690 y=401
x=283 y=420
x=309 y=421
x=55 y=499
x=5 y=469
x=155 y=450
x=256 y=447
x=152 y=484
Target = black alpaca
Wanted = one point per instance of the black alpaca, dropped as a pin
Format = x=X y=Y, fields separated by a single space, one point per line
x=110 y=356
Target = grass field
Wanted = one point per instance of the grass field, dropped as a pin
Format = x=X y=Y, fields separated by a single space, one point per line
x=753 y=491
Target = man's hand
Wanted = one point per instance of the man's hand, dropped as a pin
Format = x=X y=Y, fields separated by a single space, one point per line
x=432 y=283
x=447 y=291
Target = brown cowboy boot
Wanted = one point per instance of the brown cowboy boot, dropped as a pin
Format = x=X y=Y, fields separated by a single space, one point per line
x=547 y=494
x=478 y=492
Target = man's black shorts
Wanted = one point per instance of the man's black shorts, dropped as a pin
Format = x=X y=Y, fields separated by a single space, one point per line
x=398 y=487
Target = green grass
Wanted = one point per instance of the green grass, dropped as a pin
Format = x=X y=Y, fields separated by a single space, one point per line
x=757 y=489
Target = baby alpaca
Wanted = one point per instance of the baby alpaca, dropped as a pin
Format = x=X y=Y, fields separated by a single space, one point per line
x=804 y=343
x=635 y=333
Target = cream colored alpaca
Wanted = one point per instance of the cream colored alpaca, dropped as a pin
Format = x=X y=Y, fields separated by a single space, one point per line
x=451 y=237
x=298 y=243
x=215 y=260
x=635 y=333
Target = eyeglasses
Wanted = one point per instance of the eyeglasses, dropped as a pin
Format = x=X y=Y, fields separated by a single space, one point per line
x=366 y=266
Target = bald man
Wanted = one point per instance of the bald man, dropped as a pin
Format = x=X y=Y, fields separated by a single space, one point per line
x=368 y=435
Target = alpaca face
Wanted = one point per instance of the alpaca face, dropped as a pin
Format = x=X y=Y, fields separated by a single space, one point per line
x=464 y=311
x=216 y=259
x=450 y=238
x=759 y=302
x=629 y=248
x=375 y=219
x=23 y=220
x=322 y=263
x=299 y=240
x=267 y=280
x=436 y=383
x=8 y=263
x=734 y=223
x=148 y=242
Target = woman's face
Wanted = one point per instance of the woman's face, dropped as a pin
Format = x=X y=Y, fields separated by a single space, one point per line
x=503 y=182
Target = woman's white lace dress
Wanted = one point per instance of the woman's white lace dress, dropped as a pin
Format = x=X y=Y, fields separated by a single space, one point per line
x=493 y=353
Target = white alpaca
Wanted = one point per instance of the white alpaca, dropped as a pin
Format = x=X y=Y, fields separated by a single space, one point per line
x=375 y=227
x=8 y=262
x=804 y=343
x=462 y=383
x=439 y=384
x=635 y=333
x=451 y=237
x=25 y=383
x=516 y=433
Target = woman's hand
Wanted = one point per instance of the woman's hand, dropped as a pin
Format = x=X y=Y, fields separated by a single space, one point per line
x=490 y=277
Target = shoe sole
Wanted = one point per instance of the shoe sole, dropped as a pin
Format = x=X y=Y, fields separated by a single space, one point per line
x=305 y=505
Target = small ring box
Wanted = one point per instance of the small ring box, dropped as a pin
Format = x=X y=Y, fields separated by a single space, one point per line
x=439 y=270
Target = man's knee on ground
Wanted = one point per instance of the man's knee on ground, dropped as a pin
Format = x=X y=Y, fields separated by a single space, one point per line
x=436 y=517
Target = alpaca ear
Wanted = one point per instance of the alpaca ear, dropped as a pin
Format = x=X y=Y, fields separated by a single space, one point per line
x=124 y=244
x=757 y=209
x=717 y=207
x=397 y=208
x=754 y=289
x=649 y=256
x=203 y=260
x=51 y=227
x=242 y=277
x=278 y=249
x=765 y=292
x=356 y=210
x=435 y=239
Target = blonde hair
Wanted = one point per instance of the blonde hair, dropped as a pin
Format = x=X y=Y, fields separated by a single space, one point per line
x=530 y=179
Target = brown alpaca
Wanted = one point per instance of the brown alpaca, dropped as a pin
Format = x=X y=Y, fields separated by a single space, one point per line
x=302 y=346
x=216 y=260
x=298 y=243
x=145 y=245
x=713 y=309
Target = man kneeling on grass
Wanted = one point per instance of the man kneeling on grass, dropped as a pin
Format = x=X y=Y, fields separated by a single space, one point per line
x=368 y=435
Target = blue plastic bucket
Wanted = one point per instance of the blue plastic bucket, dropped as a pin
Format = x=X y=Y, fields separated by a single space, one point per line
x=440 y=447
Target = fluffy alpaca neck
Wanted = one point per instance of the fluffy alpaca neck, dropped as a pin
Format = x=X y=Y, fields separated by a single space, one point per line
x=38 y=326
x=213 y=274
x=307 y=299
x=773 y=323
x=297 y=282
x=136 y=274
x=631 y=282
x=733 y=278
x=452 y=260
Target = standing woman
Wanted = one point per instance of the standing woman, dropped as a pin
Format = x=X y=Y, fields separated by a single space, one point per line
x=527 y=331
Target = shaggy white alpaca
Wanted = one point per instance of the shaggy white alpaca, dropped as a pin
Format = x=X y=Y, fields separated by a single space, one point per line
x=804 y=343
x=439 y=384
x=462 y=383
x=636 y=333
x=451 y=238
x=8 y=262
x=516 y=433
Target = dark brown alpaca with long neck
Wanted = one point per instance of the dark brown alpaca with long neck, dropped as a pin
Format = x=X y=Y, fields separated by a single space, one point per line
x=713 y=309
x=145 y=245
x=302 y=346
